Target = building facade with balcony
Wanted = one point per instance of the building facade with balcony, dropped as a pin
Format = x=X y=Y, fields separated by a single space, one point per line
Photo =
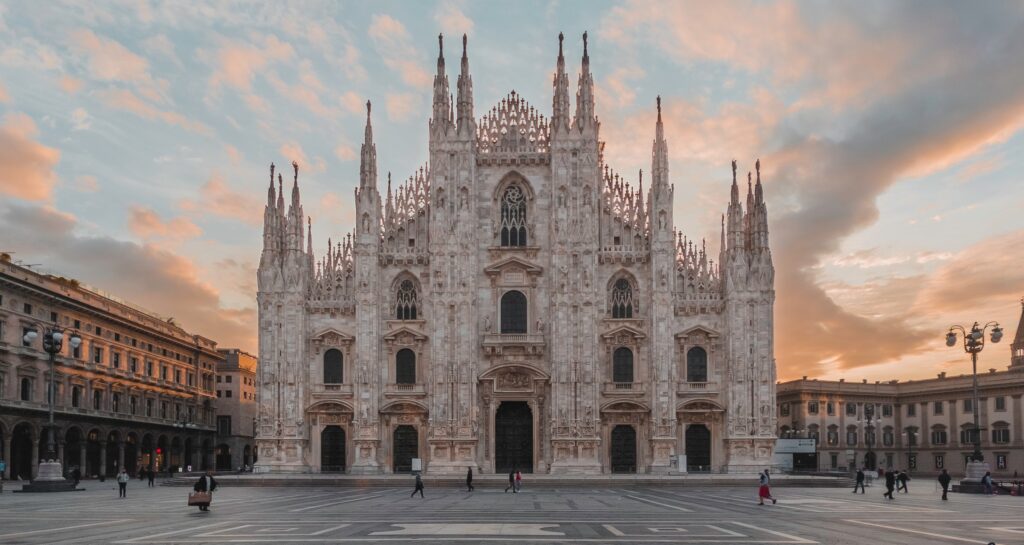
x=138 y=391
x=921 y=425
x=515 y=304
x=236 y=409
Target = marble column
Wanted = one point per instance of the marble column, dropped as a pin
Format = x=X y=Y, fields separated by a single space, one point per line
x=35 y=458
x=102 y=470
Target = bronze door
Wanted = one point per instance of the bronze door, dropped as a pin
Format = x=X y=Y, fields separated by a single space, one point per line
x=332 y=449
x=623 y=451
x=513 y=437
x=405 y=447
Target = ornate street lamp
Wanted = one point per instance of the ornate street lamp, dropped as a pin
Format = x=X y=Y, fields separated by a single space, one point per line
x=974 y=342
x=50 y=476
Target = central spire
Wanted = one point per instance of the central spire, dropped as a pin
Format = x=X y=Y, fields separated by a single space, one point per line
x=585 y=94
x=560 y=100
x=466 y=125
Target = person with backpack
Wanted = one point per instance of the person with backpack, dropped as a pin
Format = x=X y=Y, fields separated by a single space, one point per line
x=944 y=479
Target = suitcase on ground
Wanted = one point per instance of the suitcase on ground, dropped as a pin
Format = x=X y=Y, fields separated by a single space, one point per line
x=200 y=498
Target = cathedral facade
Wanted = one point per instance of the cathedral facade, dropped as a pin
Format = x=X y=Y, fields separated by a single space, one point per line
x=515 y=304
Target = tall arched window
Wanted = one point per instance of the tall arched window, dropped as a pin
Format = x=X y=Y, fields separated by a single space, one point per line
x=622 y=365
x=513 y=217
x=622 y=299
x=513 y=312
x=405 y=305
x=334 y=366
x=696 y=365
x=405 y=367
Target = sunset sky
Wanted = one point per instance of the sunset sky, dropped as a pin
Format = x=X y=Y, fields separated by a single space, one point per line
x=135 y=139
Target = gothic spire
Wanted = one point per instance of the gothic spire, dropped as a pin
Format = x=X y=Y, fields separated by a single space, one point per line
x=560 y=101
x=585 y=93
x=368 y=156
x=659 y=156
x=442 y=113
x=465 y=122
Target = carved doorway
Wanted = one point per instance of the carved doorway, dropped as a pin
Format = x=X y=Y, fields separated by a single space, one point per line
x=513 y=437
x=623 y=452
x=332 y=449
x=405 y=444
x=698 y=448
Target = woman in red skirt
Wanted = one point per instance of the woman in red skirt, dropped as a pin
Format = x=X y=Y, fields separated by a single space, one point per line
x=764 y=492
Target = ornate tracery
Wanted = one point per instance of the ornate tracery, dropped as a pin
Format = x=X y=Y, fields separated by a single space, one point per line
x=513 y=216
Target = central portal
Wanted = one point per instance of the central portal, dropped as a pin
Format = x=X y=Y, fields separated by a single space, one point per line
x=513 y=437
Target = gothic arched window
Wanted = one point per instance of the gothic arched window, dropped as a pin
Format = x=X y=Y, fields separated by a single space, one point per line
x=696 y=365
x=513 y=217
x=405 y=367
x=513 y=312
x=622 y=299
x=622 y=365
x=333 y=366
x=405 y=306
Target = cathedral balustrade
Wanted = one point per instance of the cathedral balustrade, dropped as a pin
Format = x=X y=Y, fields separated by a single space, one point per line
x=405 y=390
x=528 y=343
x=624 y=388
x=697 y=388
x=623 y=254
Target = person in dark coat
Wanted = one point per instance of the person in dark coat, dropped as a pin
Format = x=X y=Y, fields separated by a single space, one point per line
x=902 y=479
x=206 y=483
x=944 y=479
x=890 y=484
x=419 y=486
x=511 y=481
x=860 y=481
x=469 y=480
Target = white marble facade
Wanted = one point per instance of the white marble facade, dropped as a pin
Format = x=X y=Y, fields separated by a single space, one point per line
x=515 y=303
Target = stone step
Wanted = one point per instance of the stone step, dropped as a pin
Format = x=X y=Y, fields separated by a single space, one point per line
x=529 y=480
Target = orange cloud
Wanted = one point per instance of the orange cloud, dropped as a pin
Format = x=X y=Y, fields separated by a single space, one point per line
x=130 y=270
x=70 y=85
x=394 y=45
x=219 y=199
x=238 y=62
x=124 y=99
x=27 y=165
x=146 y=224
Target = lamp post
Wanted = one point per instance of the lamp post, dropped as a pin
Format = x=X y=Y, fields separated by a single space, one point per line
x=974 y=342
x=50 y=476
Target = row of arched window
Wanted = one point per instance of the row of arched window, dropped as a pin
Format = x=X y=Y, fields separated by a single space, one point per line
x=405 y=367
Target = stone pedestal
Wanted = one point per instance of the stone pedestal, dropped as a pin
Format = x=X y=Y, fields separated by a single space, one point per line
x=50 y=479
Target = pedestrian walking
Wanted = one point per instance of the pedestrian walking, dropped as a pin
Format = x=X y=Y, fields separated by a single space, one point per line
x=150 y=475
x=986 y=481
x=511 y=481
x=469 y=480
x=122 y=483
x=902 y=479
x=944 y=479
x=419 y=486
x=860 y=481
x=206 y=484
x=519 y=480
x=890 y=484
x=764 y=489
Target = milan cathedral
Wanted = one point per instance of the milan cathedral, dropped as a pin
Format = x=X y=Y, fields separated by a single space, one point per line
x=516 y=304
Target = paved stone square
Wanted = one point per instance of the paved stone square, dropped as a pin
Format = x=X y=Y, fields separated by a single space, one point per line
x=536 y=515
